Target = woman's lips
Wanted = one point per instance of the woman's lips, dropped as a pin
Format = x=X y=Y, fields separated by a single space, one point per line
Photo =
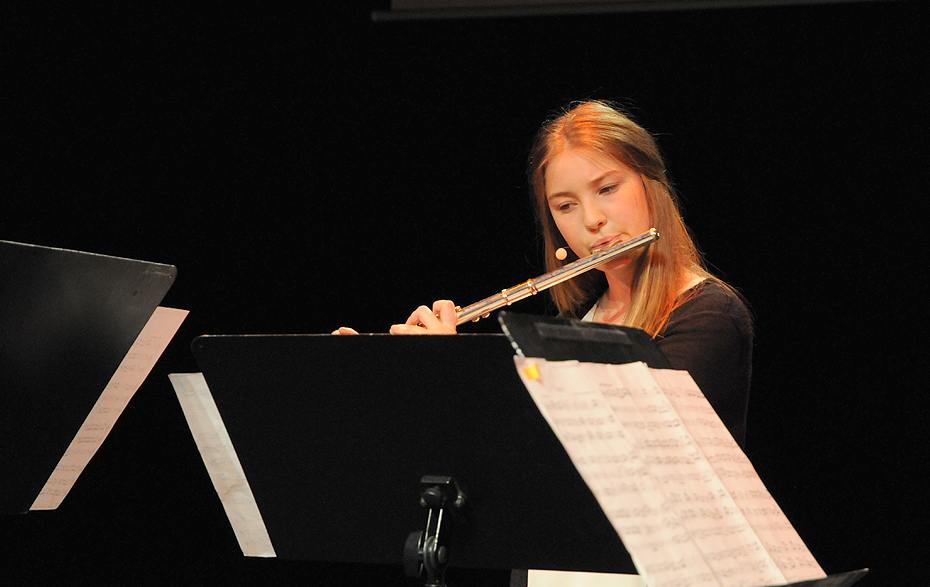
x=603 y=244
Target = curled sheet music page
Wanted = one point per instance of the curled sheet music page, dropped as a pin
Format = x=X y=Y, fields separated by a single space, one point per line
x=685 y=477
x=612 y=467
x=673 y=448
x=739 y=477
x=222 y=463
x=132 y=371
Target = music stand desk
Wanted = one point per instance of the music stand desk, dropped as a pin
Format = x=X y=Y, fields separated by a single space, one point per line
x=334 y=434
x=67 y=319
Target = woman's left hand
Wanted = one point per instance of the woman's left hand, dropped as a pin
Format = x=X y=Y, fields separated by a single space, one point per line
x=440 y=319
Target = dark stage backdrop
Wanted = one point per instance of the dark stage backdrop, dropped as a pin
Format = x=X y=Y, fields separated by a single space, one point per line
x=308 y=168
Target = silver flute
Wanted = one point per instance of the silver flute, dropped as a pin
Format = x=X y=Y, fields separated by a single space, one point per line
x=531 y=287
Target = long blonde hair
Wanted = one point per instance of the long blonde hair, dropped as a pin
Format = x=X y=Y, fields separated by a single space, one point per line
x=668 y=264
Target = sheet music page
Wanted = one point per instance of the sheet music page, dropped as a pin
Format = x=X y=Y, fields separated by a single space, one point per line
x=132 y=371
x=537 y=578
x=739 y=477
x=613 y=468
x=222 y=463
x=685 y=477
x=704 y=485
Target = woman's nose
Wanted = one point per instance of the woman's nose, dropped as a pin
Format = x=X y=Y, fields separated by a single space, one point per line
x=594 y=218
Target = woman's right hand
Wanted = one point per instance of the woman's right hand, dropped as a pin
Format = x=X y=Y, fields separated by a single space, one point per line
x=440 y=319
x=345 y=330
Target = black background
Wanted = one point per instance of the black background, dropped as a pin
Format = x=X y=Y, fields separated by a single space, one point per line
x=306 y=168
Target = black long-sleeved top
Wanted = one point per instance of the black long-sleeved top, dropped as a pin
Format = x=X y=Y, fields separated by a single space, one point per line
x=710 y=336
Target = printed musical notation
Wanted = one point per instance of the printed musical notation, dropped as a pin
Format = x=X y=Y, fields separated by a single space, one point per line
x=219 y=456
x=132 y=371
x=686 y=502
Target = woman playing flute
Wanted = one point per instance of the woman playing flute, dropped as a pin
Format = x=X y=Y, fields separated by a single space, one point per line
x=598 y=178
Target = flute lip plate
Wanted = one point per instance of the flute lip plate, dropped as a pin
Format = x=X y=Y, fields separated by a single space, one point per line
x=607 y=245
x=617 y=243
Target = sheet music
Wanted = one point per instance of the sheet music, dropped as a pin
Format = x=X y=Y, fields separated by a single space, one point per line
x=676 y=516
x=538 y=578
x=132 y=371
x=222 y=463
x=612 y=467
x=739 y=477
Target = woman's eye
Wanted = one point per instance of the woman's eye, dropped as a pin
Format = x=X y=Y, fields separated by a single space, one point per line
x=565 y=207
x=607 y=189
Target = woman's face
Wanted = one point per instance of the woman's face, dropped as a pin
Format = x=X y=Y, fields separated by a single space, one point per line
x=596 y=200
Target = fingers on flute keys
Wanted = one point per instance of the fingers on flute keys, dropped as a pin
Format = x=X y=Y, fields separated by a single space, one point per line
x=440 y=319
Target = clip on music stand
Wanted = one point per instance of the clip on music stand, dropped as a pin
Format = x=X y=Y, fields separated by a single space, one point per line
x=565 y=339
x=67 y=319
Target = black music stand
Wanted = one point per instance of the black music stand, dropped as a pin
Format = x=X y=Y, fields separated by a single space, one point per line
x=565 y=339
x=338 y=435
x=562 y=339
x=335 y=433
x=67 y=319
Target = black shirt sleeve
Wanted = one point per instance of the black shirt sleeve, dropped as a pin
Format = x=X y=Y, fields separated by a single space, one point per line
x=710 y=336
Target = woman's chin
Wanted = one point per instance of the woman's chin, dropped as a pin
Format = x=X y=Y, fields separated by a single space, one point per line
x=615 y=265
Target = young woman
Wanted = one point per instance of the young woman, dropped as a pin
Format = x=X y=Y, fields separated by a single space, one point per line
x=597 y=177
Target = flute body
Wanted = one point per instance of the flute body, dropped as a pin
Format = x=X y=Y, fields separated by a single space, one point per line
x=531 y=287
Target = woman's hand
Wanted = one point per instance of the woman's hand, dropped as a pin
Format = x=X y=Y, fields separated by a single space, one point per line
x=345 y=330
x=440 y=320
